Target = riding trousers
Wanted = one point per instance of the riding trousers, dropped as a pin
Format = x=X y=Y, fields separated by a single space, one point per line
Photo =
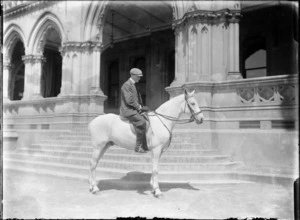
x=139 y=123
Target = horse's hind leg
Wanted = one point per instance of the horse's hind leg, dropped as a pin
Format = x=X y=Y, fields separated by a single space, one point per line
x=98 y=152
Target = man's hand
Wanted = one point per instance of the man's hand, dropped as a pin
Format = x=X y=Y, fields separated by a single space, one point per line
x=145 y=109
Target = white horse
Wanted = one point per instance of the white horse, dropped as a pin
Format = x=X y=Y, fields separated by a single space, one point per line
x=109 y=129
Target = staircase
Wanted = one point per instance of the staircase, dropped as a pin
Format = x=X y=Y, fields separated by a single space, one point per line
x=68 y=155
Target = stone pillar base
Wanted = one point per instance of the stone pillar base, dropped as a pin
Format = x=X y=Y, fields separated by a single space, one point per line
x=234 y=76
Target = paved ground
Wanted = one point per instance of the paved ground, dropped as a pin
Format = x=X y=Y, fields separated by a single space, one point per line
x=40 y=196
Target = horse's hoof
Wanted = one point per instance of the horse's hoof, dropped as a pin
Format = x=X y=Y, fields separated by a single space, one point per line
x=94 y=189
x=158 y=196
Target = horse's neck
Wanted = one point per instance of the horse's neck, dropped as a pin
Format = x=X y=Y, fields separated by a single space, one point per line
x=172 y=108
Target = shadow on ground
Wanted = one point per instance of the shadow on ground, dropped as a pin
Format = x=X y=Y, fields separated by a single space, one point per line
x=140 y=182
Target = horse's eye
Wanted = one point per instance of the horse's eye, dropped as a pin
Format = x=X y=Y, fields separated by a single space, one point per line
x=193 y=103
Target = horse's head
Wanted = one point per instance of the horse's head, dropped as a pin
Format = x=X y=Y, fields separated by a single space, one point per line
x=193 y=107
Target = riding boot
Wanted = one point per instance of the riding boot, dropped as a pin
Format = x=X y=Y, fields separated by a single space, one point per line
x=139 y=143
x=145 y=145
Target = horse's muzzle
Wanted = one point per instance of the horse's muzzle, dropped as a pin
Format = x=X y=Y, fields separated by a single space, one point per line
x=199 y=121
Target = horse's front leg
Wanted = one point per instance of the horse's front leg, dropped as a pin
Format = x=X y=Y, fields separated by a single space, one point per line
x=156 y=153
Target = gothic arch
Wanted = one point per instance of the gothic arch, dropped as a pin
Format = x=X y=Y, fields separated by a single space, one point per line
x=93 y=19
x=44 y=23
x=180 y=8
x=12 y=35
x=95 y=16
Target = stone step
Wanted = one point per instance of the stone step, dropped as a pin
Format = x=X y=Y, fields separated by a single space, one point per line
x=130 y=157
x=86 y=137
x=119 y=150
x=56 y=143
x=82 y=172
x=138 y=166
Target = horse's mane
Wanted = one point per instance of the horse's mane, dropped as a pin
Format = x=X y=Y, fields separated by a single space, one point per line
x=170 y=103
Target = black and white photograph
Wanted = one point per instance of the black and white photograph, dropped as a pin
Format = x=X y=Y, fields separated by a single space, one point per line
x=171 y=109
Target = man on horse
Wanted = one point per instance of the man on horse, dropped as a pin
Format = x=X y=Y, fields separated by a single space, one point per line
x=132 y=108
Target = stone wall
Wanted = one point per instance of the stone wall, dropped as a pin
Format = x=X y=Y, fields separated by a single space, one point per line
x=253 y=120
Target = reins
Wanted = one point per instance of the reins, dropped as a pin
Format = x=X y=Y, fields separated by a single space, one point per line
x=180 y=121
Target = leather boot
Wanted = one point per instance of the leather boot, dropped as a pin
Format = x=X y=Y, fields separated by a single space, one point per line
x=139 y=143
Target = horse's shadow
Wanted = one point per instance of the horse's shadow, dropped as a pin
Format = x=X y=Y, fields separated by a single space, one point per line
x=140 y=182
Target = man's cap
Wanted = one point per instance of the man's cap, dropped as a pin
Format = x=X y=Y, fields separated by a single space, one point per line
x=136 y=71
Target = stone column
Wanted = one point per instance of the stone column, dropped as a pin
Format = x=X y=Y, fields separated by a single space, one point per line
x=207 y=43
x=66 y=78
x=37 y=76
x=95 y=77
x=28 y=79
x=234 y=49
x=180 y=67
x=33 y=74
x=81 y=92
x=6 y=73
x=81 y=68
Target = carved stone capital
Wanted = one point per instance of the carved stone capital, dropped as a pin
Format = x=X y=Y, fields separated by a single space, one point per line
x=28 y=59
x=7 y=66
x=39 y=58
x=80 y=47
x=33 y=58
x=208 y=17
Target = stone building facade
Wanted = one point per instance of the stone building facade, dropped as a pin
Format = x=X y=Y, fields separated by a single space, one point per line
x=65 y=61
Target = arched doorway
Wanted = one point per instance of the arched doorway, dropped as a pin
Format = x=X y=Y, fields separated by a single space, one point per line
x=52 y=68
x=268 y=34
x=113 y=89
x=16 y=81
x=256 y=65
x=139 y=34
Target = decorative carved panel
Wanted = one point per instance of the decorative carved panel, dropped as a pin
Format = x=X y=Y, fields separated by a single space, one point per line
x=246 y=95
x=286 y=93
x=266 y=94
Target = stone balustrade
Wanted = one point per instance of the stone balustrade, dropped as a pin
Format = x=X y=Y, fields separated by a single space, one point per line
x=59 y=111
x=272 y=90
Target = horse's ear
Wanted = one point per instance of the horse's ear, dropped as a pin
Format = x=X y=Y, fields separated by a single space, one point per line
x=188 y=94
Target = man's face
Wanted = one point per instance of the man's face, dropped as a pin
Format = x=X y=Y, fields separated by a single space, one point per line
x=136 y=78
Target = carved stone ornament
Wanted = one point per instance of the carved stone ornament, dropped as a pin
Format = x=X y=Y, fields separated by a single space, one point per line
x=208 y=17
x=33 y=58
x=80 y=47
x=246 y=95
x=266 y=94
x=287 y=93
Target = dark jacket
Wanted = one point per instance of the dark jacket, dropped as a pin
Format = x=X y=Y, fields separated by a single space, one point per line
x=130 y=99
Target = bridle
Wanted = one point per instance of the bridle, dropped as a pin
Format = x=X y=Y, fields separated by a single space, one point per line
x=181 y=121
x=193 y=113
